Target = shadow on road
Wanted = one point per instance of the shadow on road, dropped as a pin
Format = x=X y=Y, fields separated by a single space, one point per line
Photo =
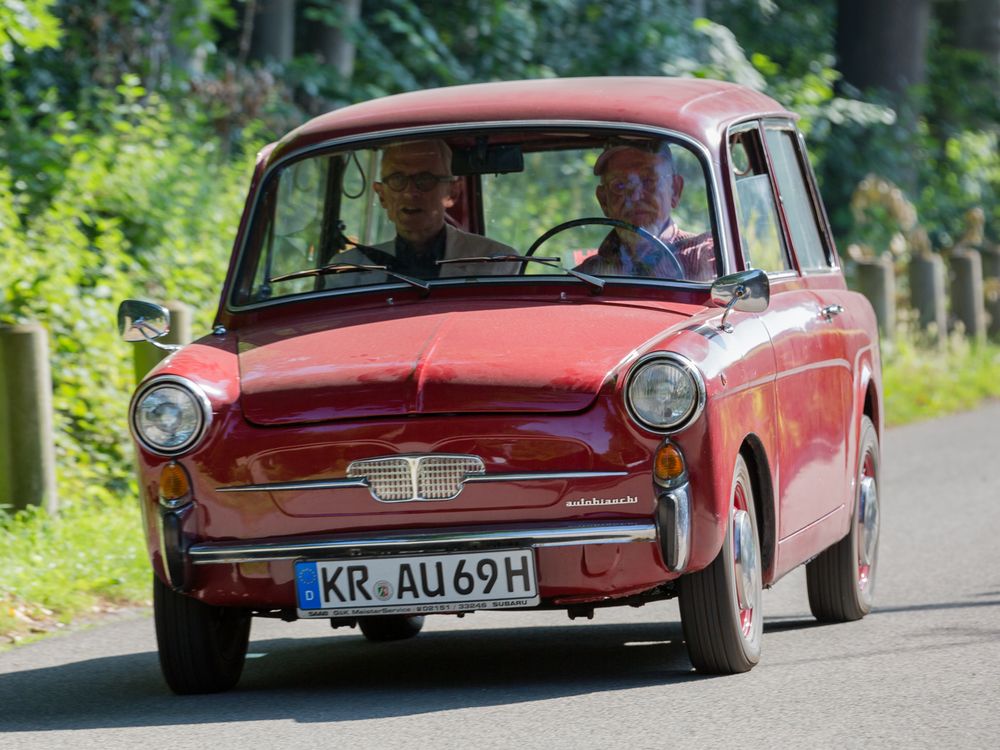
x=937 y=605
x=345 y=678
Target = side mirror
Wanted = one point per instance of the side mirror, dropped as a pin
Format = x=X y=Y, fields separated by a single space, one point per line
x=747 y=291
x=142 y=321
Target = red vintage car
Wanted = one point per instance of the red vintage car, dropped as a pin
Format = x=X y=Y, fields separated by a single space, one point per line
x=543 y=344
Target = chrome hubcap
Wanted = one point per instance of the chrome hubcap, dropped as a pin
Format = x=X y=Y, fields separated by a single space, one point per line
x=868 y=525
x=745 y=560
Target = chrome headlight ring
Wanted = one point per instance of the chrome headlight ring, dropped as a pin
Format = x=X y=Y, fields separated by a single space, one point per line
x=173 y=408
x=680 y=366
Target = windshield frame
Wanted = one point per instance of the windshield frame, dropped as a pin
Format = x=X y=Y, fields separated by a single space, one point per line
x=374 y=139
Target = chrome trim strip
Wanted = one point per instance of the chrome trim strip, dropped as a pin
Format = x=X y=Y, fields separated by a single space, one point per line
x=310 y=484
x=557 y=535
x=335 y=484
x=527 y=477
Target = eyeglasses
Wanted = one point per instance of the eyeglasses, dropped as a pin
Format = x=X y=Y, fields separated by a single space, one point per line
x=626 y=185
x=424 y=181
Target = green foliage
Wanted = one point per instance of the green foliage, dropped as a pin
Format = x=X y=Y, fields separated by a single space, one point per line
x=141 y=204
x=29 y=24
x=408 y=44
x=144 y=208
x=960 y=173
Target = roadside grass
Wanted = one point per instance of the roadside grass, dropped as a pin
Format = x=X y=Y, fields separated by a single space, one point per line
x=54 y=570
x=91 y=557
x=923 y=381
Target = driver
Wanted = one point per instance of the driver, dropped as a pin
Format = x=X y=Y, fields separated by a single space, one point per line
x=416 y=190
x=638 y=185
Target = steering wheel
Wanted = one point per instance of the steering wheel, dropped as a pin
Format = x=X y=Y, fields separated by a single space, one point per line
x=644 y=233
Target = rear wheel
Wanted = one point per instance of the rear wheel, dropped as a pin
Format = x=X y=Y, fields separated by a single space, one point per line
x=721 y=605
x=202 y=647
x=841 y=580
x=391 y=627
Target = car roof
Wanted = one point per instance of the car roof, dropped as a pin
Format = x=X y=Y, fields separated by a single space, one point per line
x=698 y=107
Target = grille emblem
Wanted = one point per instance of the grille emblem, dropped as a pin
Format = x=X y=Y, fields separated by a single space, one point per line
x=403 y=479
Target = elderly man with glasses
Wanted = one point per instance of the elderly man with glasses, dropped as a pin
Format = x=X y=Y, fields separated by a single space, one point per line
x=639 y=186
x=416 y=190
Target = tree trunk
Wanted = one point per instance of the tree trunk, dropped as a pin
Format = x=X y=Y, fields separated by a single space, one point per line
x=883 y=43
x=274 y=31
x=335 y=44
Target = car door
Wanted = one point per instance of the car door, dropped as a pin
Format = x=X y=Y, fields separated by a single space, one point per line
x=838 y=337
x=809 y=359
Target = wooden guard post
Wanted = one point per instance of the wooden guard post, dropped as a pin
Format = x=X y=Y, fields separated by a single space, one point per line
x=27 y=452
x=877 y=281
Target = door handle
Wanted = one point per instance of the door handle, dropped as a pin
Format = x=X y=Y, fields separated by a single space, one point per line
x=830 y=311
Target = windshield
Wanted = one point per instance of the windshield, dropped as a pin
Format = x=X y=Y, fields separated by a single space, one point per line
x=464 y=207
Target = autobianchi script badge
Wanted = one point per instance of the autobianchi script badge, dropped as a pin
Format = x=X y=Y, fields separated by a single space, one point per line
x=583 y=502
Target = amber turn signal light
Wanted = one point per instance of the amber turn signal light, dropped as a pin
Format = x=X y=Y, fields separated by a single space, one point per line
x=175 y=486
x=668 y=465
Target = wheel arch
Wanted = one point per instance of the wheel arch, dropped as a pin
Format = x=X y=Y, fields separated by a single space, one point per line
x=872 y=407
x=755 y=456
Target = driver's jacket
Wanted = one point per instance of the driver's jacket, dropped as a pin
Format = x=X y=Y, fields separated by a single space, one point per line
x=458 y=244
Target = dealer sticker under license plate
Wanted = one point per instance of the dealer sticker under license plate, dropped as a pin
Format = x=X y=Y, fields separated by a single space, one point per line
x=411 y=585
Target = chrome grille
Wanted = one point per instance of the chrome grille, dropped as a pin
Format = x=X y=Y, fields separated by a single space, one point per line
x=394 y=479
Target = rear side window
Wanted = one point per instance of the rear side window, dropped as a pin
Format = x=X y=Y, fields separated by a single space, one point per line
x=803 y=224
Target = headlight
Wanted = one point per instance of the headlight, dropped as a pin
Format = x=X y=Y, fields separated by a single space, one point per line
x=664 y=392
x=169 y=415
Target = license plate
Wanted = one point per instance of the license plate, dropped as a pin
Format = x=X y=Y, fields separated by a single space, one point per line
x=416 y=584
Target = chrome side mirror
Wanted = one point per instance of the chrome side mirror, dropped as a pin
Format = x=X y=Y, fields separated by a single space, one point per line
x=144 y=321
x=747 y=291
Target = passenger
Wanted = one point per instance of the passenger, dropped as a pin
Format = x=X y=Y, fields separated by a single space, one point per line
x=416 y=190
x=638 y=185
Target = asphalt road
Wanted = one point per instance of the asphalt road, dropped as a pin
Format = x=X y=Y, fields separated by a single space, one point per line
x=923 y=670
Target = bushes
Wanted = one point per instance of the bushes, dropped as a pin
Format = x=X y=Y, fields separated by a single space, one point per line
x=129 y=201
x=143 y=207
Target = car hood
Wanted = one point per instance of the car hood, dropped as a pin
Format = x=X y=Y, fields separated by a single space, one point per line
x=545 y=358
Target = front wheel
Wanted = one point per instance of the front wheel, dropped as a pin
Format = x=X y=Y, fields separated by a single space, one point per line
x=721 y=605
x=841 y=580
x=202 y=647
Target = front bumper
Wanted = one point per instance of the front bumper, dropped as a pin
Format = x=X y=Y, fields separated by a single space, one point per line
x=670 y=530
x=355 y=545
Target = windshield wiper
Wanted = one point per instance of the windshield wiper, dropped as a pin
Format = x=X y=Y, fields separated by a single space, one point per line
x=349 y=267
x=593 y=281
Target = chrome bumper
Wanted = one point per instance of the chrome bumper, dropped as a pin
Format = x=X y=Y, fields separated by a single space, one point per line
x=673 y=519
x=354 y=545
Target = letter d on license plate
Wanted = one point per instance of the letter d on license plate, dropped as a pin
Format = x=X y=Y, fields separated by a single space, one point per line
x=426 y=583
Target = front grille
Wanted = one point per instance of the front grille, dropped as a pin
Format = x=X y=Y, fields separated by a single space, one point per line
x=394 y=479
